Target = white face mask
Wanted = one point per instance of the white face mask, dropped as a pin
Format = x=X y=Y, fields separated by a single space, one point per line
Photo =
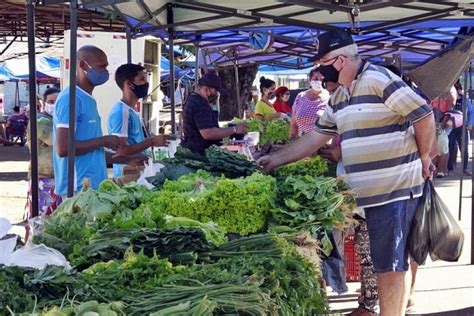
x=316 y=85
x=49 y=108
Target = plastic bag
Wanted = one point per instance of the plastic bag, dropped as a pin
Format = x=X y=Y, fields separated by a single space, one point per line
x=31 y=256
x=446 y=237
x=443 y=142
x=150 y=170
x=419 y=237
x=434 y=230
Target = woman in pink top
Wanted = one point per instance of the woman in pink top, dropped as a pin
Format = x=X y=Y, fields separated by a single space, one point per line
x=309 y=105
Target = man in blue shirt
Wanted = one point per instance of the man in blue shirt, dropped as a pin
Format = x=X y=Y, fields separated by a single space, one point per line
x=124 y=121
x=90 y=161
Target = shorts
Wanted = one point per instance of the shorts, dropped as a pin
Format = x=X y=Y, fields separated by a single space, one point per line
x=389 y=226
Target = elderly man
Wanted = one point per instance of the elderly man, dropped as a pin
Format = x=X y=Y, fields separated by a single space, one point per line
x=91 y=158
x=386 y=132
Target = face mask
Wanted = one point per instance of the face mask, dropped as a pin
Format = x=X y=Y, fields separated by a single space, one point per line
x=329 y=72
x=212 y=98
x=96 y=77
x=49 y=108
x=316 y=85
x=285 y=98
x=271 y=95
x=141 y=90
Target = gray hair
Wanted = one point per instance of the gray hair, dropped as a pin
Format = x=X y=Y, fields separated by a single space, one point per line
x=350 y=51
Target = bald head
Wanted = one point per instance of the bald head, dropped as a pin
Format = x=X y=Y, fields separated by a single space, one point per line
x=88 y=52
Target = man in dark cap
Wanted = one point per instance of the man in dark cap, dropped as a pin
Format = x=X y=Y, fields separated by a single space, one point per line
x=201 y=122
x=387 y=132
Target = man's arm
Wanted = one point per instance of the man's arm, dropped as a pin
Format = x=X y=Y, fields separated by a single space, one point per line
x=305 y=146
x=129 y=150
x=135 y=160
x=425 y=138
x=217 y=133
x=83 y=147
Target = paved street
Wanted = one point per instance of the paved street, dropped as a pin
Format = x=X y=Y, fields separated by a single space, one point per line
x=442 y=288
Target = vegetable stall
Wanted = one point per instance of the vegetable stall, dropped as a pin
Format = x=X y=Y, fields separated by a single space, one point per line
x=216 y=236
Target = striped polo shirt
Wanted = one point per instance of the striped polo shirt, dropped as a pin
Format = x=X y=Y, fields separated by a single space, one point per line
x=378 y=145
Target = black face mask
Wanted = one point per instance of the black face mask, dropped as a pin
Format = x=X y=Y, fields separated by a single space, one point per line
x=140 y=91
x=329 y=72
x=212 y=99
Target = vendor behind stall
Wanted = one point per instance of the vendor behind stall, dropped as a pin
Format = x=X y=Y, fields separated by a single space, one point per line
x=201 y=123
x=124 y=121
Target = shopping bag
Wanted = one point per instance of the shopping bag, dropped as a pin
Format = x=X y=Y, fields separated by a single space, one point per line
x=419 y=236
x=446 y=237
x=443 y=142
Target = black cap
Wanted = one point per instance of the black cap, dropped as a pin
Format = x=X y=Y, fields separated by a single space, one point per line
x=212 y=81
x=332 y=40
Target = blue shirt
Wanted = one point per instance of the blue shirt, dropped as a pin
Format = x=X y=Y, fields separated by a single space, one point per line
x=124 y=121
x=92 y=165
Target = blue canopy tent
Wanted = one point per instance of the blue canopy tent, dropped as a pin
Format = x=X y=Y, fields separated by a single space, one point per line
x=180 y=73
x=17 y=69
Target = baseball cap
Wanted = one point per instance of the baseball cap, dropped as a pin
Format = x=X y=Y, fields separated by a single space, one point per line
x=330 y=41
x=212 y=81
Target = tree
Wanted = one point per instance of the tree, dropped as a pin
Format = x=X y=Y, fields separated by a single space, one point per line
x=228 y=103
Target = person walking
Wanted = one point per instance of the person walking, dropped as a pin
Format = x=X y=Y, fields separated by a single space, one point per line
x=387 y=132
x=309 y=105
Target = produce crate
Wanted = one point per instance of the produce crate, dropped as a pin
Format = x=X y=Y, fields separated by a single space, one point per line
x=351 y=260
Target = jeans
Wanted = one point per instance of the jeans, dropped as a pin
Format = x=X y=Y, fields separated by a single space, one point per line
x=455 y=142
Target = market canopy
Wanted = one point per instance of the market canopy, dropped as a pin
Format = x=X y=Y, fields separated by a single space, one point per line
x=46 y=67
x=223 y=28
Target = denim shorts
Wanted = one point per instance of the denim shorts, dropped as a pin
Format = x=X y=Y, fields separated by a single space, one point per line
x=389 y=226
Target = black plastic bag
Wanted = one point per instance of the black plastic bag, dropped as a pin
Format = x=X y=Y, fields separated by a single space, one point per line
x=434 y=230
x=419 y=238
x=446 y=237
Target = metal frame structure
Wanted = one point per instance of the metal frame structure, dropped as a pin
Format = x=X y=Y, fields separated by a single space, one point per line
x=163 y=21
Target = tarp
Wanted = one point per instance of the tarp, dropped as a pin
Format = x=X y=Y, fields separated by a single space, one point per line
x=179 y=73
x=439 y=73
x=15 y=69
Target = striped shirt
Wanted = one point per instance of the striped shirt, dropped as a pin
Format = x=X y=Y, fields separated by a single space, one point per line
x=379 y=150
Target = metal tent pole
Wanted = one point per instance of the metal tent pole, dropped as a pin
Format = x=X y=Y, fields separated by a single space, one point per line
x=129 y=45
x=463 y=140
x=237 y=89
x=71 y=152
x=30 y=8
x=196 y=54
x=171 y=55
x=472 y=180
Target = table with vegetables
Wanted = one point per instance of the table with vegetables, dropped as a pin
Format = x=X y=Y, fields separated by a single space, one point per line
x=215 y=237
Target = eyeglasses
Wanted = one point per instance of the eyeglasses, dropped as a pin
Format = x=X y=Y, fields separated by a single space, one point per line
x=326 y=62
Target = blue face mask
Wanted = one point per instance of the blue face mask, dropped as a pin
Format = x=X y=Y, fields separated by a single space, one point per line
x=96 y=77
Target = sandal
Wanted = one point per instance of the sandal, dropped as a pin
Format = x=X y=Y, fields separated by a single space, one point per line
x=440 y=175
